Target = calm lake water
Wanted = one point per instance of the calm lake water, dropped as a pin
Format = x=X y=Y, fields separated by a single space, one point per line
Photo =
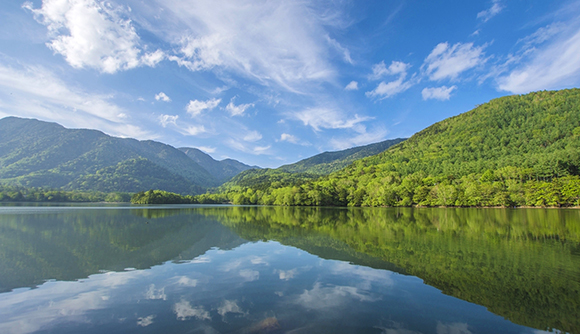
x=196 y=269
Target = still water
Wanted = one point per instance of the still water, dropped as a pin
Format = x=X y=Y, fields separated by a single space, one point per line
x=204 y=269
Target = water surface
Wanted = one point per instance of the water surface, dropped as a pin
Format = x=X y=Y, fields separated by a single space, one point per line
x=194 y=269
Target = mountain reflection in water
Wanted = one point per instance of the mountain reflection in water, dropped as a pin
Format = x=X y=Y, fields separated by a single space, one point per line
x=275 y=269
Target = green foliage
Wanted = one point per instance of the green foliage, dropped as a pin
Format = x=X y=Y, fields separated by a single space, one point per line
x=328 y=162
x=134 y=175
x=40 y=154
x=21 y=194
x=165 y=197
x=513 y=151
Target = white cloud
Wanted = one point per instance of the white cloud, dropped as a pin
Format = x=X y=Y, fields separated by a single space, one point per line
x=552 y=66
x=256 y=150
x=194 y=130
x=438 y=93
x=249 y=275
x=239 y=109
x=289 y=138
x=63 y=301
x=219 y=90
x=286 y=44
x=320 y=297
x=380 y=70
x=453 y=328
x=90 y=33
x=144 y=322
x=353 y=85
x=447 y=62
x=200 y=53
x=184 y=311
x=153 y=293
x=541 y=35
x=326 y=118
x=487 y=14
x=230 y=306
x=38 y=93
x=363 y=138
x=168 y=119
x=253 y=136
x=345 y=52
x=195 y=107
x=163 y=97
x=286 y=275
x=207 y=149
x=186 y=281
x=389 y=89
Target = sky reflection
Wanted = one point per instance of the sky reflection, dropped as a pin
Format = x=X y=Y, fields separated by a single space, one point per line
x=257 y=287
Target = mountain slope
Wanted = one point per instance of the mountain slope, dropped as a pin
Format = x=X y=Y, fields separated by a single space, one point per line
x=512 y=151
x=222 y=170
x=40 y=154
x=328 y=162
x=306 y=169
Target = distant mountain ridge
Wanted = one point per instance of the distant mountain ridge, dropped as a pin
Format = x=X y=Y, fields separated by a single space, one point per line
x=34 y=153
x=328 y=162
x=222 y=170
x=306 y=169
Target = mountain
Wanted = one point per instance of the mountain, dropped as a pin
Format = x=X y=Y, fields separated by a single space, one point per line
x=512 y=151
x=328 y=162
x=34 y=153
x=222 y=170
x=305 y=170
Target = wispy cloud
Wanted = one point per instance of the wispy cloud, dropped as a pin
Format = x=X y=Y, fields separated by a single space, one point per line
x=289 y=138
x=255 y=150
x=183 y=310
x=496 y=8
x=37 y=92
x=389 y=89
x=237 y=110
x=448 y=62
x=438 y=93
x=327 y=118
x=353 y=85
x=195 y=107
x=287 y=43
x=207 y=149
x=168 y=119
x=162 y=97
x=381 y=70
x=364 y=138
x=344 y=51
x=93 y=34
x=253 y=136
x=551 y=65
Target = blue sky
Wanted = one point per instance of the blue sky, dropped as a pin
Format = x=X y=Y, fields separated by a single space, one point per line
x=272 y=82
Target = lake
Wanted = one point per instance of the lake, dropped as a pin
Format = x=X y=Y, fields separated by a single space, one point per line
x=228 y=269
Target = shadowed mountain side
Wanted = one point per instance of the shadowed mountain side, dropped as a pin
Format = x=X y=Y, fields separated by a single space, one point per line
x=222 y=170
x=40 y=154
x=73 y=244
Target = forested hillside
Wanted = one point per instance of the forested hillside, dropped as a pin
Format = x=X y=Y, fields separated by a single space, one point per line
x=328 y=162
x=40 y=154
x=222 y=170
x=303 y=170
x=513 y=151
